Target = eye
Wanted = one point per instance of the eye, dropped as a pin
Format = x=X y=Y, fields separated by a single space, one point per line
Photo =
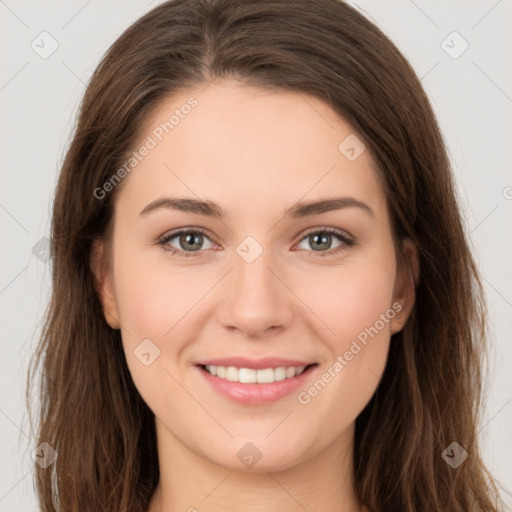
x=321 y=241
x=188 y=242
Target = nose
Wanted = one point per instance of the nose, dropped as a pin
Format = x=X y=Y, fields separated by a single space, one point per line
x=258 y=303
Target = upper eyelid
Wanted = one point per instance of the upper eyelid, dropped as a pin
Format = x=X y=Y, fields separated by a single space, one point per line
x=172 y=234
x=333 y=231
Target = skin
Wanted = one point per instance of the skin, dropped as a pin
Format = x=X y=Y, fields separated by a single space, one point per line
x=255 y=153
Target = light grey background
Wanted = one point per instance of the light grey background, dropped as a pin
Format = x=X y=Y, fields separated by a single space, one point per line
x=471 y=94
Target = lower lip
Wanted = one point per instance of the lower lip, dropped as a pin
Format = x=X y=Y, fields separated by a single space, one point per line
x=256 y=394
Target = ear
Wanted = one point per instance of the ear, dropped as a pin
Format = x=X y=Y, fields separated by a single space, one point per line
x=103 y=283
x=407 y=277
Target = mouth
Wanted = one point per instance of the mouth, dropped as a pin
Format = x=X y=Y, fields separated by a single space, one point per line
x=256 y=382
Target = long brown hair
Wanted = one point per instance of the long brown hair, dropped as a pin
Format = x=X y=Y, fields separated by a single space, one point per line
x=430 y=394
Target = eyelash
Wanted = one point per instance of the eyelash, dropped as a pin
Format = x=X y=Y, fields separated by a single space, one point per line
x=346 y=242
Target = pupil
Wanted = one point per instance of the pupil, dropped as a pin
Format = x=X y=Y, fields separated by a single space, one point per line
x=190 y=239
x=325 y=239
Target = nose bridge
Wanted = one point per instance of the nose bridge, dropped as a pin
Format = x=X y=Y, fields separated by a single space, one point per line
x=252 y=271
x=256 y=299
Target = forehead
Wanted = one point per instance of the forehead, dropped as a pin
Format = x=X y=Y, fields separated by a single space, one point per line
x=243 y=146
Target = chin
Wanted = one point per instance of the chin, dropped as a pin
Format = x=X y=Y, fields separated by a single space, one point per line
x=260 y=455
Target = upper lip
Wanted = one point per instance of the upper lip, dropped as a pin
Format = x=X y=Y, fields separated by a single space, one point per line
x=256 y=364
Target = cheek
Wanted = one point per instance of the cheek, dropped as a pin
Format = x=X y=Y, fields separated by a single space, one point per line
x=153 y=297
x=155 y=302
x=350 y=299
x=357 y=306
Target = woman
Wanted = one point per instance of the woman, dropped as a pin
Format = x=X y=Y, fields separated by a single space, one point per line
x=263 y=297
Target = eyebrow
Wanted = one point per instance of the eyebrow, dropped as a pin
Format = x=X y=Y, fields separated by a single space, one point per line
x=298 y=210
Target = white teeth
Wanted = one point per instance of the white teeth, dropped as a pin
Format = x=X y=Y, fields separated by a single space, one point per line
x=212 y=369
x=247 y=375
x=280 y=373
x=251 y=376
x=265 y=376
x=232 y=374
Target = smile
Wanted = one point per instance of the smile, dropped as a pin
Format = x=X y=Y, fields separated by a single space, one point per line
x=255 y=382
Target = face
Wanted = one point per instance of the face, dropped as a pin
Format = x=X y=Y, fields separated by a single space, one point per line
x=247 y=313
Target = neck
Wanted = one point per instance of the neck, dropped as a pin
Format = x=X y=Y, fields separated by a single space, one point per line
x=191 y=483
